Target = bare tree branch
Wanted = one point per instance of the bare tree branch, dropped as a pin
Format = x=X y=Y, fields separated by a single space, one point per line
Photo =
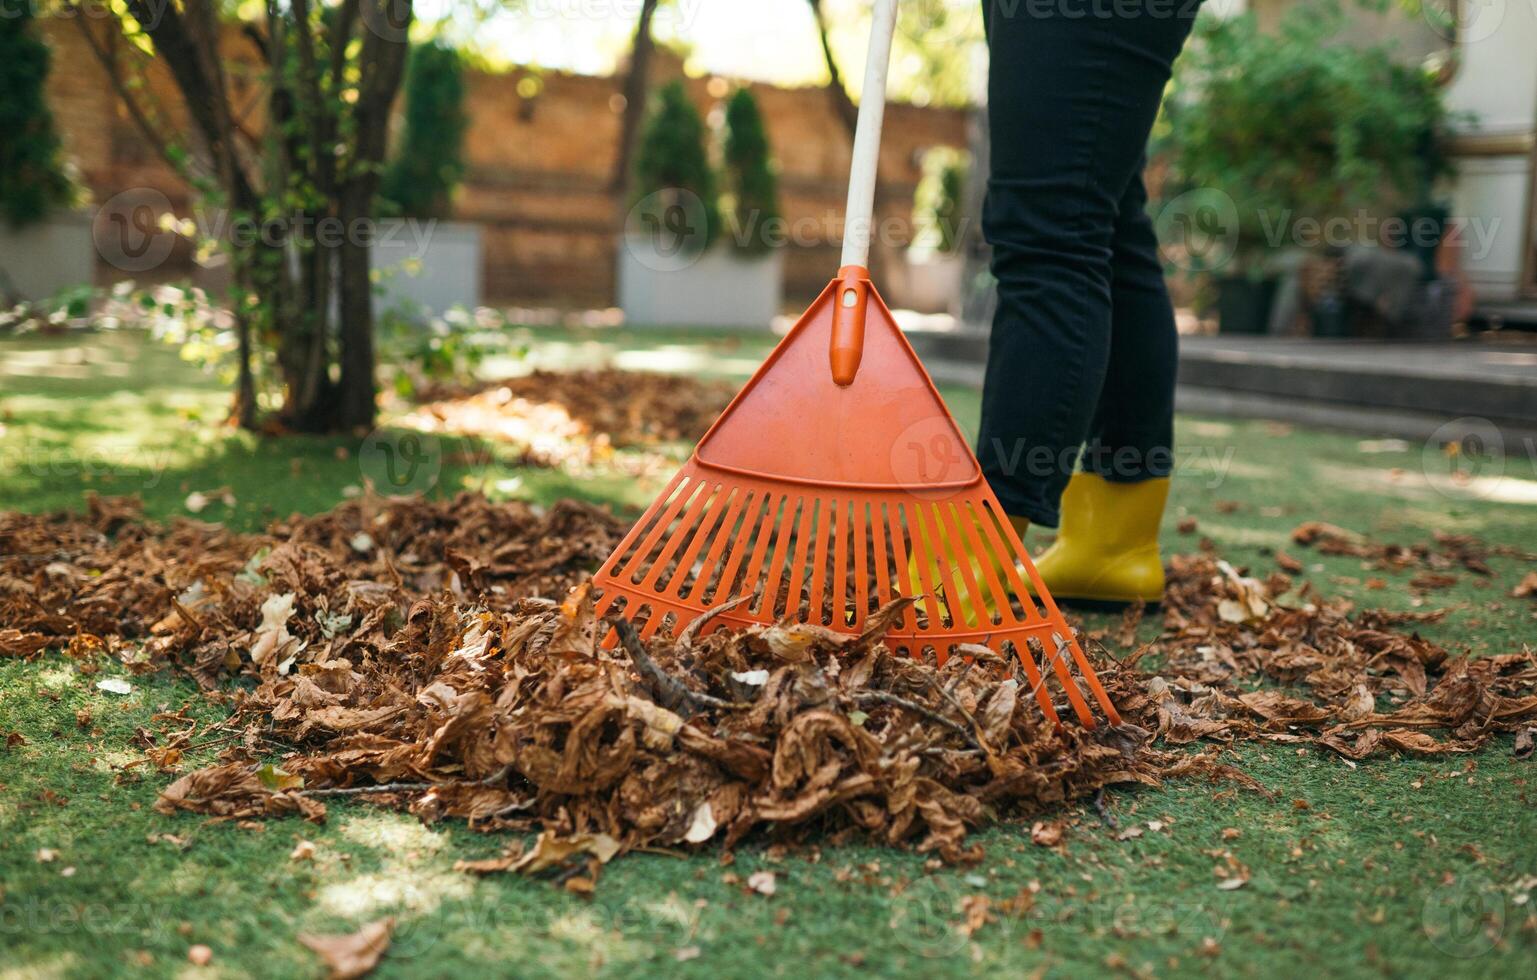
x=636 y=81
x=109 y=64
x=844 y=106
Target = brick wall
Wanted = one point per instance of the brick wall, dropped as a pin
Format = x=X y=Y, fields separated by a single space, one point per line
x=539 y=166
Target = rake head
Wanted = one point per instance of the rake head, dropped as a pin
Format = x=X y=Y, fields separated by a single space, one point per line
x=823 y=496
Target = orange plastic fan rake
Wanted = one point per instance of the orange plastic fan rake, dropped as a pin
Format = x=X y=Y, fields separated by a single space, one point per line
x=835 y=471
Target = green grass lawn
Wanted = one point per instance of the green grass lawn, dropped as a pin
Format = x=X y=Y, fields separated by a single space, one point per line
x=1392 y=866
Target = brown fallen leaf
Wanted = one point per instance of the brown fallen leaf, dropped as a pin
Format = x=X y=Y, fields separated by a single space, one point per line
x=1360 y=704
x=354 y=954
x=1428 y=581
x=551 y=850
x=1046 y=833
x=17 y=643
x=976 y=912
x=1231 y=873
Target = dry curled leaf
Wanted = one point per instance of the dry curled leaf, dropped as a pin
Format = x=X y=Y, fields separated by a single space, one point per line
x=354 y=954
x=551 y=851
x=1046 y=833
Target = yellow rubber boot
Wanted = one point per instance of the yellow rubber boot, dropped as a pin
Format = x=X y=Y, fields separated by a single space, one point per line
x=1107 y=547
x=952 y=553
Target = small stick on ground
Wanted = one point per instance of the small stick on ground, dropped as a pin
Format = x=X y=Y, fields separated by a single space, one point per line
x=865 y=698
x=671 y=692
x=359 y=790
x=1105 y=816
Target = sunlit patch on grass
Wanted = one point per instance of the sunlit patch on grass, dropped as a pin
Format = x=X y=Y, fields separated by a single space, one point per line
x=1241 y=535
x=397 y=834
x=1206 y=429
x=1413 y=520
x=581 y=927
x=1422 y=487
x=57 y=678
x=109 y=761
x=684 y=361
x=1209 y=470
x=394 y=891
x=59 y=965
x=1504 y=489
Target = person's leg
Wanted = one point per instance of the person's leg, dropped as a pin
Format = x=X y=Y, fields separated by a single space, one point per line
x=1131 y=438
x=1073 y=92
x=1107 y=545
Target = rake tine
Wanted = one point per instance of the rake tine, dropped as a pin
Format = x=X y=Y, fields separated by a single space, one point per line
x=776 y=570
x=723 y=536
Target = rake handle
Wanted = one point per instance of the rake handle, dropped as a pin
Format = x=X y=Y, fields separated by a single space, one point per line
x=848 y=332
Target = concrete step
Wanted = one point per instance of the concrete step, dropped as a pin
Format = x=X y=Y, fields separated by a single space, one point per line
x=1407 y=390
x=1497 y=382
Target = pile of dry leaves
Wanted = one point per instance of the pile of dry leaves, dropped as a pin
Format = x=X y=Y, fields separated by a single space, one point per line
x=429 y=656
x=191 y=593
x=574 y=419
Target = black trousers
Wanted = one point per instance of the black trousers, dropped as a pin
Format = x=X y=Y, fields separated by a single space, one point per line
x=1084 y=350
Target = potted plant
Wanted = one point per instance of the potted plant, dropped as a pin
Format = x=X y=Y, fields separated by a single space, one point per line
x=682 y=262
x=45 y=246
x=421 y=260
x=1286 y=139
x=935 y=266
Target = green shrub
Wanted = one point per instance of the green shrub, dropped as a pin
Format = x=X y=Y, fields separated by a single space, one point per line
x=1291 y=124
x=938 y=201
x=32 y=176
x=429 y=161
x=750 y=180
x=674 y=189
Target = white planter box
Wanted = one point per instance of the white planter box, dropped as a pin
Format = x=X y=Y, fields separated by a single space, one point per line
x=426 y=264
x=44 y=258
x=719 y=288
x=933 y=283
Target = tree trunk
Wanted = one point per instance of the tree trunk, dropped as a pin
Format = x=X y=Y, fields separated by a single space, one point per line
x=636 y=83
x=244 y=410
x=837 y=92
x=381 y=64
x=355 y=300
x=309 y=301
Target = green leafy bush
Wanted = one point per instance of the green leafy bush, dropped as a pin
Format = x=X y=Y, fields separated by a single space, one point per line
x=674 y=189
x=33 y=180
x=750 y=180
x=938 y=205
x=429 y=162
x=1293 y=125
